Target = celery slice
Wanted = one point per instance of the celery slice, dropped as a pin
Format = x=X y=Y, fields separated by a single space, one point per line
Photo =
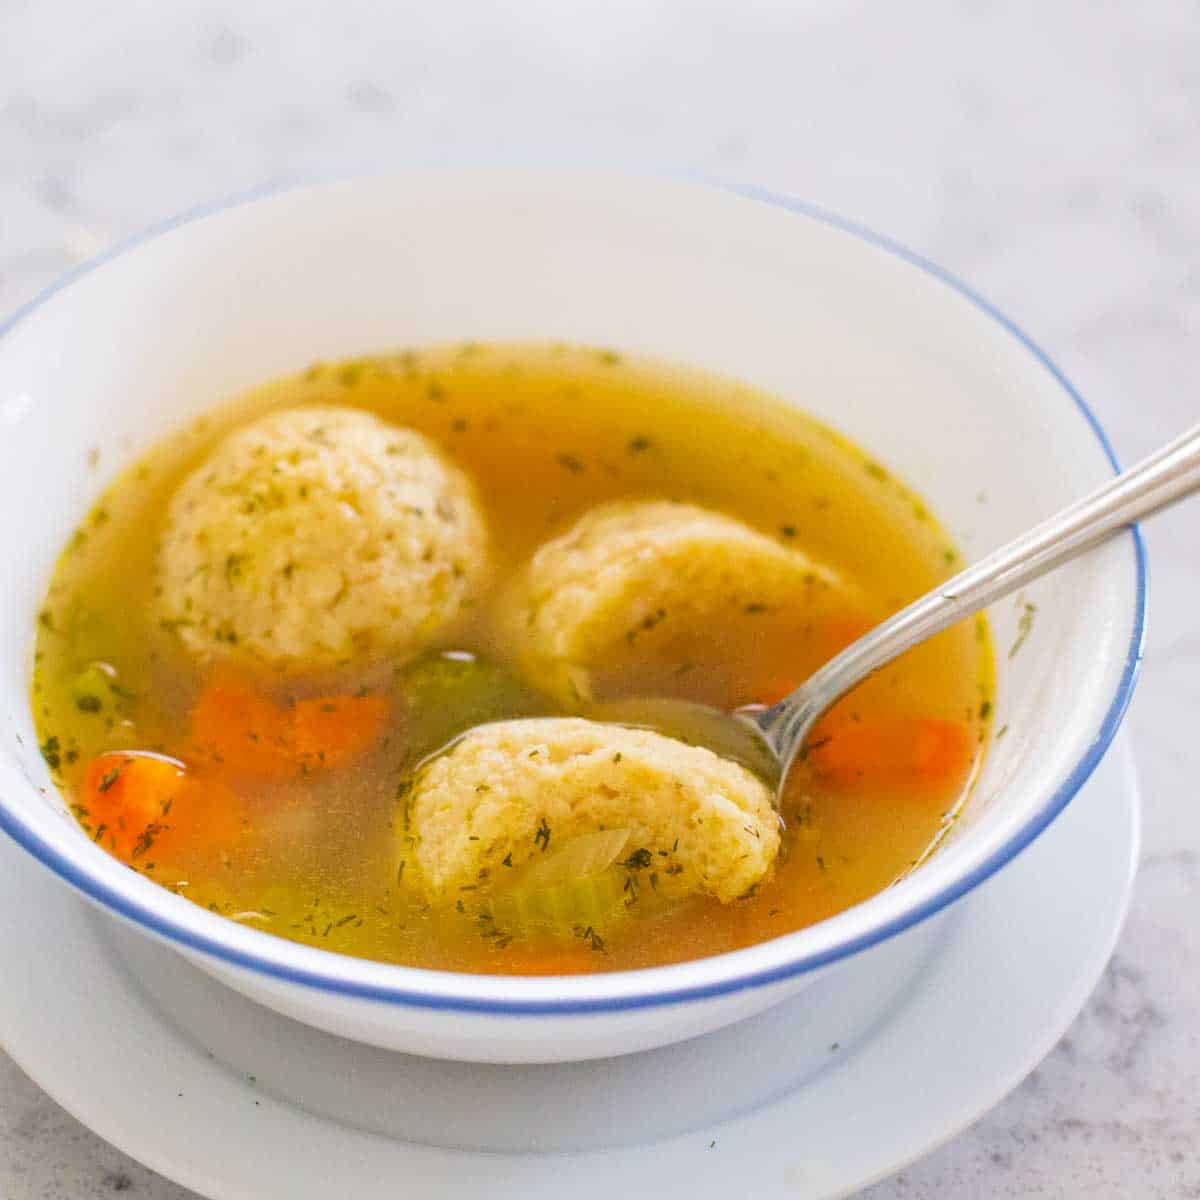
x=448 y=693
x=577 y=886
x=561 y=910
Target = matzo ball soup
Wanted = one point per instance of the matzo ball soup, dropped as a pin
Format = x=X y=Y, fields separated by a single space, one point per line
x=325 y=662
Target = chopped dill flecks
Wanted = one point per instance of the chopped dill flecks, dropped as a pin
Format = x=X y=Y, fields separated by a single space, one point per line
x=108 y=779
x=1024 y=627
x=985 y=710
x=145 y=840
x=873 y=469
x=571 y=462
x=51 y=750
x=639 y=444
x=589 y=935
x=542 y=835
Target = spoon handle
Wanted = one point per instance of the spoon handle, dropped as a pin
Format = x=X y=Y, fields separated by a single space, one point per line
x=1160 y=480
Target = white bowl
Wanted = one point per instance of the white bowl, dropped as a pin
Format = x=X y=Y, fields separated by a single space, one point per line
x=887 y=348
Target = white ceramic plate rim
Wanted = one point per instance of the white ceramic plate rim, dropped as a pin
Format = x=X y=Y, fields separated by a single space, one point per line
x=268 y=1144
x=617 y=991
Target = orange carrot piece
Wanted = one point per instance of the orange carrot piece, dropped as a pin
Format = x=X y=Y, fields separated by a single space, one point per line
x=245 y=733
x=890 y=752
x=137 y=802
x=332 y=731
x=237 y=728
x=128 y=797
x=207 y=812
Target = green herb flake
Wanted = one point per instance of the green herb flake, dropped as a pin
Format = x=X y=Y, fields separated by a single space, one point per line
x=51 y=750
x=1024 y=628
x=638 y=860
x=589 y=935
x=108 y=779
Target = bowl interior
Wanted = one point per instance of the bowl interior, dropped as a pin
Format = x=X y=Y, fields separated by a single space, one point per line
x=932 y=384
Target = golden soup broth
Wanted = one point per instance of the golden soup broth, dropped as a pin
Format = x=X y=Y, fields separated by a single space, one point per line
x=547 y=432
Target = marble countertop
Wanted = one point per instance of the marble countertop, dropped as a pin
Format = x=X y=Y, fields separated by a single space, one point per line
x=1050 y=154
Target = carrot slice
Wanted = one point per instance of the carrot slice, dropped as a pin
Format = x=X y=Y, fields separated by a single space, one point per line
x=890 y=752
x=135 y=801
x=244 y=732
x=236 y=727
x=128 y=797
x=332 y=731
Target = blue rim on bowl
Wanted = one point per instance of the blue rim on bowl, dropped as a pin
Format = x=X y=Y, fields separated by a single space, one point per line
x=185 y=938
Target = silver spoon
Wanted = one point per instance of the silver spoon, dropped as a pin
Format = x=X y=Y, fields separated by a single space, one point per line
x=768 y=739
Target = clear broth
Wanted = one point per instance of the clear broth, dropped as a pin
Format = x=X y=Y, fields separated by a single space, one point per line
x=547 y=432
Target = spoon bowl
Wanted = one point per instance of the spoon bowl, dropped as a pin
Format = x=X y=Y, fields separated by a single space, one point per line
x=736 y=735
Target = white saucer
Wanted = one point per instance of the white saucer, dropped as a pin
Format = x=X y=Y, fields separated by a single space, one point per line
x=304 y=1115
